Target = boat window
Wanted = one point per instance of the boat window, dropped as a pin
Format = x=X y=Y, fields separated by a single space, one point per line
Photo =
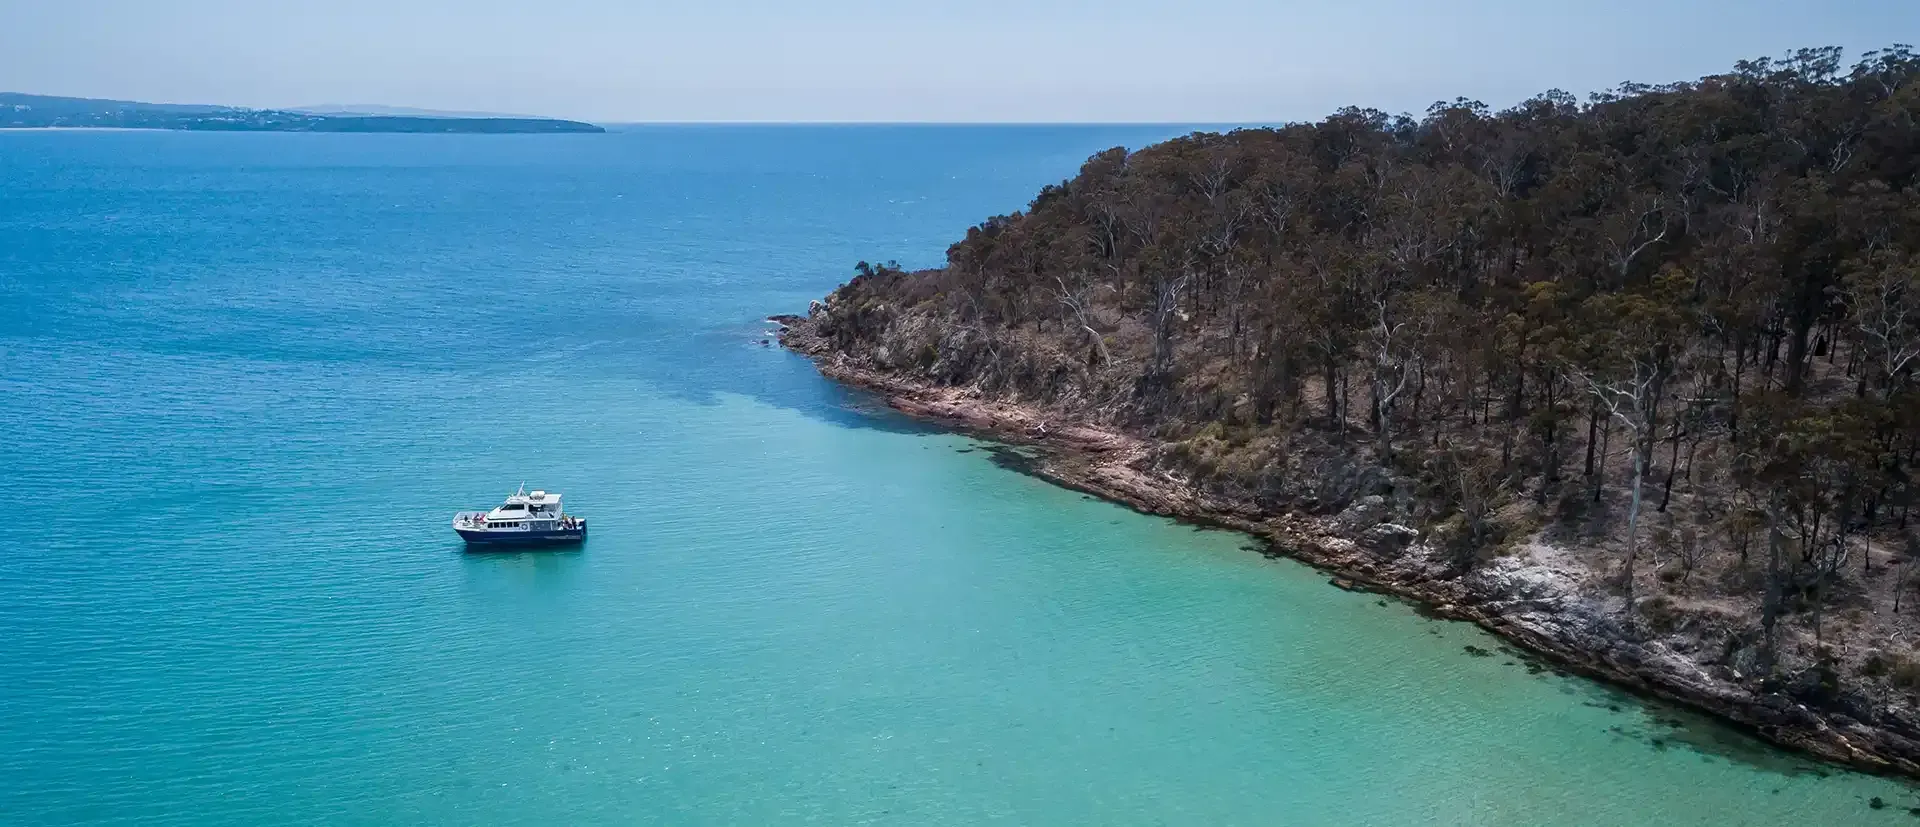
x=512 y=507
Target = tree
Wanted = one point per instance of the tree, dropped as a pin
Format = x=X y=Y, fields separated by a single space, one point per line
x=1727 y=264
x=1884 y=291
x=1077 y=302
x=1476 y=481
x=1638 y=332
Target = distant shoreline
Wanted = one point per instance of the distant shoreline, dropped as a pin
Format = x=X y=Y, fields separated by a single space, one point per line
x=90 y=129
x=23 y=111
x=273 y=131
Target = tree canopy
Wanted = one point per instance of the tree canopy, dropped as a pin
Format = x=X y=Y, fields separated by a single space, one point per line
x=1711 y=288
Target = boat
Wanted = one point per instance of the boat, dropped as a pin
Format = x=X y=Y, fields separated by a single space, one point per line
x=524 y=519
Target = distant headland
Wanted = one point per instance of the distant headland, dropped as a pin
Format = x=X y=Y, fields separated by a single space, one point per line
x=20 y=111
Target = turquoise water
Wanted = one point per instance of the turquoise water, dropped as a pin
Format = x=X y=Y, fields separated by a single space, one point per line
x=247 y=379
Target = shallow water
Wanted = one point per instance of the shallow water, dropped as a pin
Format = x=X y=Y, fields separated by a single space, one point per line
x=247 y=379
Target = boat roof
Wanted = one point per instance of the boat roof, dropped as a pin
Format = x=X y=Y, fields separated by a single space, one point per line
x=538 y=497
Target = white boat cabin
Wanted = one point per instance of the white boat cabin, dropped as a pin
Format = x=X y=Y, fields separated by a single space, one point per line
x=536 y=507
x=535 y=512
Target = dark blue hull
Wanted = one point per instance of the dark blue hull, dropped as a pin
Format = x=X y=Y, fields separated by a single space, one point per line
x=522 y=538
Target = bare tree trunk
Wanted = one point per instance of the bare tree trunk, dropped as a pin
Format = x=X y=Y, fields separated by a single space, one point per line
x=1333 y=393
x=1733 y=404
x=1078 y=305
x=1346 y=401
x=1552 y=435
x=1770 y=604
x=1600 y=471
x=1633 y=527
x=1819 y=602
x=1692 y=445
x=1517 y=402
x=1389 y=380
x=1673 y=465
x=1420 y=390
x=1166 y=307
x=1905 y=580
x=1773 y=358
x=1593 y=436
x=1797 y=358
x=1382 y=432
x=1900 y=583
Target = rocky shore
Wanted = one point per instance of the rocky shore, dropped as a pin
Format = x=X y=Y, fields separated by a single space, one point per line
x=1541 y=598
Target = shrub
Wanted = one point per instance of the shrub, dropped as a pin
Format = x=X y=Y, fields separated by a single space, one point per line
x=1661 y=614
x=1900 y=670
x=1904 y=672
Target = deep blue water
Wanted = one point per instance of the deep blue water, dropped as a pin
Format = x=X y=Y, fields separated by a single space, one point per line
x=245 y=381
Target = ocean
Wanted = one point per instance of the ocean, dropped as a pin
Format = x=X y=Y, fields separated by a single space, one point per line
x=247 y=379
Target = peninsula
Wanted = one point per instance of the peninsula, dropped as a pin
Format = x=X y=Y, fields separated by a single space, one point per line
x=1629 y=381
x=20 y=111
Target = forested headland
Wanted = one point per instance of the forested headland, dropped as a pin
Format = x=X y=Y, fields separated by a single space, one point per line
x=1666 y=336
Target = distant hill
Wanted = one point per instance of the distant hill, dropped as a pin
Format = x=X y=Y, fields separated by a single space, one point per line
x=379 y=110
x=22 y=110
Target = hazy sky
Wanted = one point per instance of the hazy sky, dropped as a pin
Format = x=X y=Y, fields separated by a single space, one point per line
x=1211 y=61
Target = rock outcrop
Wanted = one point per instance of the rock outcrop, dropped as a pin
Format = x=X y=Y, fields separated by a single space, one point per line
x=1353 y=519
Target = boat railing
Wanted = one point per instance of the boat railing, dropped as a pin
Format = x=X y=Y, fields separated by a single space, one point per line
x=477 y=519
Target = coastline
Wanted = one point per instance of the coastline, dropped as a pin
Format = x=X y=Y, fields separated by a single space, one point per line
x=1533 y=601
x=87 y=129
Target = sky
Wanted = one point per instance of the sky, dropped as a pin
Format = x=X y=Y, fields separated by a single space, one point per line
x=1200 y=61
